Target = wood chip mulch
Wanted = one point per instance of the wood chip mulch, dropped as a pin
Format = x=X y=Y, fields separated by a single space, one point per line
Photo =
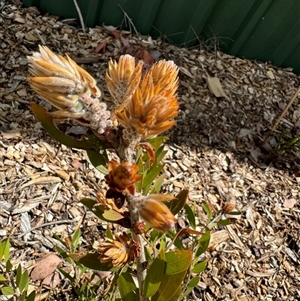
x=220 y=150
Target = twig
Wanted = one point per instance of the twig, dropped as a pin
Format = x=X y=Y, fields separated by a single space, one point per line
x=80 y=15
x=283 y=113
x=285 y=110
x=74 y=220
x=129 y=20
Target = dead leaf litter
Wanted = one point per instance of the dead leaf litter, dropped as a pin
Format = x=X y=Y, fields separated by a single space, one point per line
x=218 y=150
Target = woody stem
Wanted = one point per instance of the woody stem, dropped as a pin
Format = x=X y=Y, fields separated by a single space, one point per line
x=134 y=217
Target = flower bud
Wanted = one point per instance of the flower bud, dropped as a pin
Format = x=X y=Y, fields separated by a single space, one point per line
x=156 y=213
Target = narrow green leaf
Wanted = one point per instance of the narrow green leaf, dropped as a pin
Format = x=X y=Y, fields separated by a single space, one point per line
x=67 y=275
x=7 y=290
x=8 y=266
x=178 y=203
x=2 y=278
x=127 y=288
x=24 y=282
x=199 y=267
x=94 y=206
x=154 y=277
x=90 y=260
x=207 y=210
x=224 y=222
x=203 y=243
x=31 y=296
x=190 y=286
x=47 y=123
x=157 y=184
x=160 y=155
x=170 y=287
x=157 y=142
x=4 y=249
x=178 y=261
x=109 y=234
x=190 y=215
x=75 y=239
x=149 y=178
x=98 y=160
x=19 y=274
x=193 y=282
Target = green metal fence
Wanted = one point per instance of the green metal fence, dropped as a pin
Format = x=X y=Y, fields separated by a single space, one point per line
x=266 y=30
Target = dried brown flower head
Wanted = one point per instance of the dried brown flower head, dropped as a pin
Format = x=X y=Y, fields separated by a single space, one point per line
x=60 y=80
x=153 y=106
x=123 y=78
x=122 y=176
x=69 y=88
x=118 y=252
x=156 y=213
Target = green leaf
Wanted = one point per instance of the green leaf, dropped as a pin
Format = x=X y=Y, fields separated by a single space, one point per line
x=190 y=286
x=24 y=282
x=2 y=278
x=154 y=277
x=31 y=296
x=7 y=290
x=178 y=203
x=207 y=210
x=170 y=287
x=203 y=243
x=112 y=215
x=93 y=206
x=8 y=266
x=193 y=282
x=199 y=267
x=47 y=123
x=178 y=261
x=157 y=142
x=90 y=260
x=98 y=160
x=75 y=239
x=109 y=234
x=157 y=184
x=4 y=249
x=149 y=178
x=127 y=288
x=19 y=274
x=224 y=222
x=190 y=215
x=67 y=275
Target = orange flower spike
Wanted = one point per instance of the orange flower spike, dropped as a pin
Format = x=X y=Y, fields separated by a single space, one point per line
x=123 y=78
x=164 y=75
x=122 y=176
x=156 y=213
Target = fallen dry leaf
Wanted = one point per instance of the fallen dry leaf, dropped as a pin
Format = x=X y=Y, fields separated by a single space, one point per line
x=101 y=46
x=215 y=87
x=289 y=203
x=45 y=267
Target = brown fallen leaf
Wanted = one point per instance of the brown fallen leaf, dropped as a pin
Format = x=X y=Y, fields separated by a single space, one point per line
x=45 y=267
x=101 y=46
x=215 y=87
x=289 y=203
x=52 y=280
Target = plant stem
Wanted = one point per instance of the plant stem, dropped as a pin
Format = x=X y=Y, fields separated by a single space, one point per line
x=128 y=155
x=141 y=272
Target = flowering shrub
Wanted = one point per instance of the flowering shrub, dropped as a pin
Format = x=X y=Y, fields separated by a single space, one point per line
x=149 y=259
